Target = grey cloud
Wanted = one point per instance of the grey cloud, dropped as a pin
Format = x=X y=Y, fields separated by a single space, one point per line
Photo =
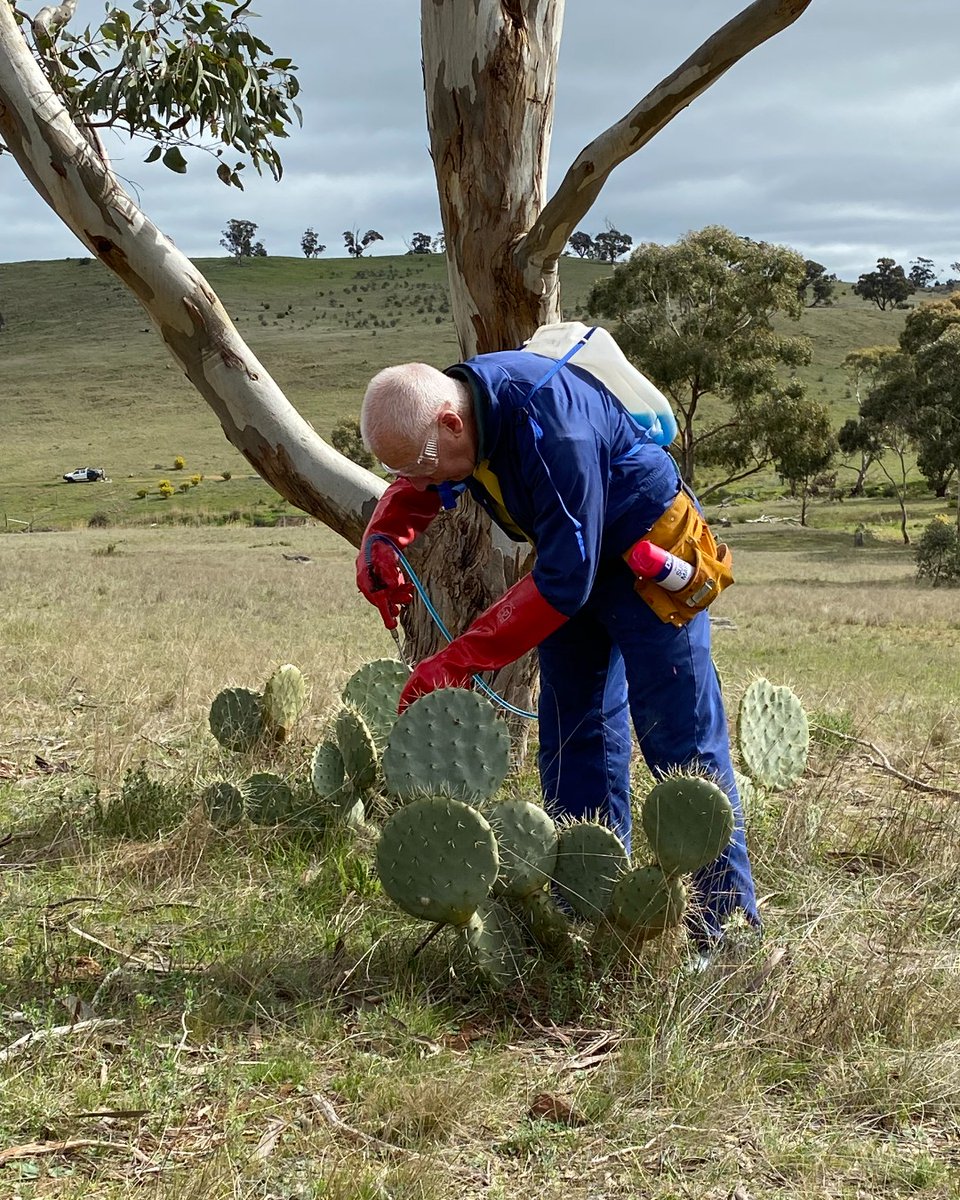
x=838 y=137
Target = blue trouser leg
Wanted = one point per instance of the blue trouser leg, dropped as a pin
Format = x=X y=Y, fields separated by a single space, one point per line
x=585 y=740
x=677 y=712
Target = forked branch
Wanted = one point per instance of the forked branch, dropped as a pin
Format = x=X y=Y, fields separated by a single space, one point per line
x=589 y=172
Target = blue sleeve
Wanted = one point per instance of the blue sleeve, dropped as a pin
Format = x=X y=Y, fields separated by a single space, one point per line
x=567 y=471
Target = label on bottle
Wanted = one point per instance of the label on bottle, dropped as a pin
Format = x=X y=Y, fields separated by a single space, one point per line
x=675 y=574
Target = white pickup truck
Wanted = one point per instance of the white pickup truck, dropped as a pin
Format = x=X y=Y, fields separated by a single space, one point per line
x=84 y=475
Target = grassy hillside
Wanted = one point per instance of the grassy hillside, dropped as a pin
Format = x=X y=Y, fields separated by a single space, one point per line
x=84 y=379
x=273 y=1026
x=271 y=1029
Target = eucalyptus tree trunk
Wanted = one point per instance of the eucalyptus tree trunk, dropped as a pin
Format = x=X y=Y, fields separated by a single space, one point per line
x=490 y=158
x=489 y=77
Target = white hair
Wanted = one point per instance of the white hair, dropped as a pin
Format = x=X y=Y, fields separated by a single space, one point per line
x=404 y=401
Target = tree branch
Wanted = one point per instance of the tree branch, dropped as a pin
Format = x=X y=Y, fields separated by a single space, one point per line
x=884 y=764
x=50 y=20
x=82 y=190
x=704 y=493
x=585 y=178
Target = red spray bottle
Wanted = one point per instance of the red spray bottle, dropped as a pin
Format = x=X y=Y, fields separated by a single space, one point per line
x=653 y=562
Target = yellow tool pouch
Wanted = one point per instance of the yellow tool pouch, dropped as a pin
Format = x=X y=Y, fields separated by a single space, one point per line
x=683 y=532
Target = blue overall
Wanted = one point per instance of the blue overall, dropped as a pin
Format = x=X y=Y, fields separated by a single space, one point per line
x=563 y=465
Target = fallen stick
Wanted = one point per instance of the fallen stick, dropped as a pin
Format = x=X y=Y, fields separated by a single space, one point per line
x=56 y=1031
x=885 y=764
x=322 y=1106
x=35 y=1149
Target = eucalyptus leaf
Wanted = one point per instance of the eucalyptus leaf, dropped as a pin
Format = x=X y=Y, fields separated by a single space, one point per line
x=174 y=160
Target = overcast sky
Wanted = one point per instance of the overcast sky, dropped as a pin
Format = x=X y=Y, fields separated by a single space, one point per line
x=839 y=137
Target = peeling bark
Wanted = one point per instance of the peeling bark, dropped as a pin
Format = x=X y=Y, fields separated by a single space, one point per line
x=490 y=81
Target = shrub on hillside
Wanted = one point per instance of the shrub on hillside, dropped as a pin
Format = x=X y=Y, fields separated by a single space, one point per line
x=165 y=488
x=179 y=463
x=346 y=439
x=98 y=520
x=938 y=553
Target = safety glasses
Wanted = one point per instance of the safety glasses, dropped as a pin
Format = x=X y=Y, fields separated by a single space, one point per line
x=426 y=461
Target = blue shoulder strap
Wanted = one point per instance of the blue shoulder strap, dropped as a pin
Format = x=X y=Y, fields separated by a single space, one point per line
x=561 y=362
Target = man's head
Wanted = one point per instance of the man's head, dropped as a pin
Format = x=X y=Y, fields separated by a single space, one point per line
x=420 y=424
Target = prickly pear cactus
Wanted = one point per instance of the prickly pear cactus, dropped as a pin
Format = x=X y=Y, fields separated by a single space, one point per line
x=269 y=799
x=449 y=741
x=688 y=822
x=773 y=735
x=236 y=719
x=590 y=860
x=374 y=691
x=284 y=699
x=527 y=842
x=223 y=804
x=329 y=782
x=495 y=945
x=750 y=794
x=437 y=859
x=646 y=899
x=551 y=928
x=357 y=748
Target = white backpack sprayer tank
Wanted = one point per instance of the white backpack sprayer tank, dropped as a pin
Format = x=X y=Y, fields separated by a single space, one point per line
x=592 y=349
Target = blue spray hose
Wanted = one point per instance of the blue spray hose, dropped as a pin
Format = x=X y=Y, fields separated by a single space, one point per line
x=438 y=620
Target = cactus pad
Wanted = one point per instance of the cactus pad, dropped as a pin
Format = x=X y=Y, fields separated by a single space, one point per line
x=327 y=778
x=773 y=735
x=546 y=923
x=748 y=792
x=269 y=799
x=493 y=941
x=374 y=691
x=236 y=719
x=527 y=844
x=590 y=860
x=437 y=859
x=688 y=822
x=450 y=741
x=223 y=804
x=357 y=748
x=284 y=699
x=646 y=899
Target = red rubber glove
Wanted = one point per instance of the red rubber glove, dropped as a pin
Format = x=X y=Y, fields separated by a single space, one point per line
x=401 y=514
x=517 y=622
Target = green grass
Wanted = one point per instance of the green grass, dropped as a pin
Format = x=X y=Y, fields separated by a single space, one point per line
x=261 y=982
x=848 y=324
x=274 y=1035
x=86 y=380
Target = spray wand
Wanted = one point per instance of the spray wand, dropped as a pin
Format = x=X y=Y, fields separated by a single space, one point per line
x=479 y=683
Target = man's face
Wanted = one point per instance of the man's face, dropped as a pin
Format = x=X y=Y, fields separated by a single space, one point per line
x=445 y=454
x=425 y=462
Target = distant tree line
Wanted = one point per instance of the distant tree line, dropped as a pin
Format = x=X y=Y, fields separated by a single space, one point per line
x=888 y=286
x=607 y=246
